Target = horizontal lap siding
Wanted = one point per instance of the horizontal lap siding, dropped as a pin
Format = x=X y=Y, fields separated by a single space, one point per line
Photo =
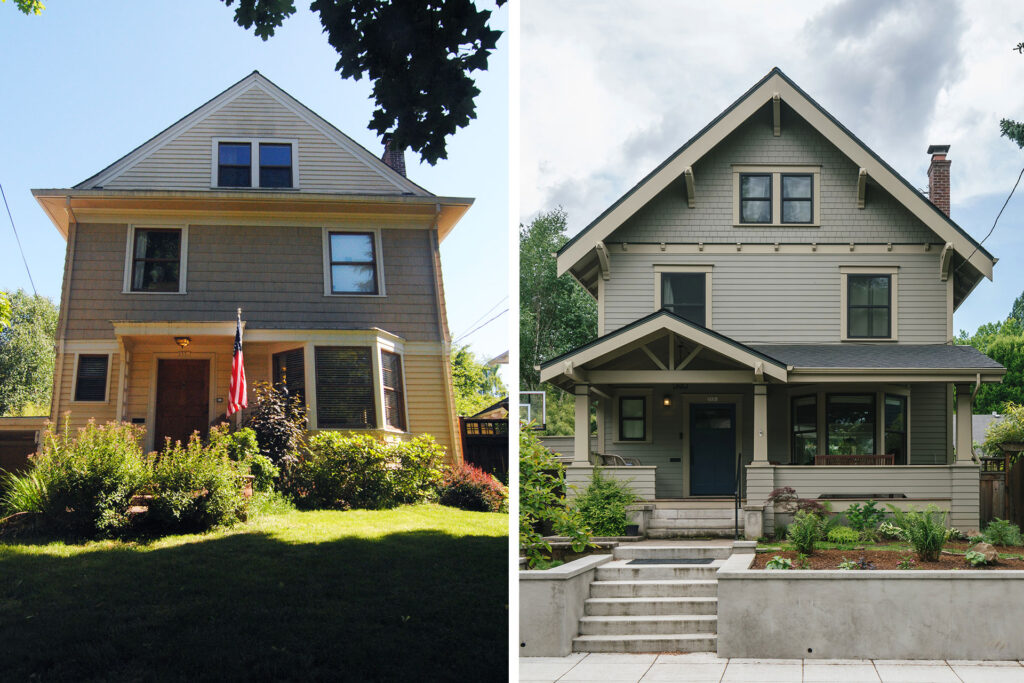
x=427 y=400
x=275 y=274
x=782 y=298
x=78 y=414
x=914 y=482
x=185 y=162
x=929 y=414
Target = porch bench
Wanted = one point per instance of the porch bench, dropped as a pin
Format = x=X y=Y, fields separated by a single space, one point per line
x=613 y=460
x=855 y=460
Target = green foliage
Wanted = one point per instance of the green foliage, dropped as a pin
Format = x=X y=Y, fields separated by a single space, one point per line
x=26 y=352
x=239 y=445
x=779 y=562
x=954 y=534
x=418 y=55
x=469 y=488
x=358 y=471
x=805 y=531
x=555 y=313
x=890 y=531
x=602 y=507
x=5 y=310
x=83 y=481
x=861 y=564
x=925 y=530
x=1009 y=430
x=1002 y=342
x=542 y=501
x=29 y=7
x=1013 y=130
x=264 y=473
x=843 y=535
x=279 y=423
x=865 y=518
x=1002 y=532
x=906 y=562
x=269 y=502
x=197 y=488
x=975 y=559
x=476 y=384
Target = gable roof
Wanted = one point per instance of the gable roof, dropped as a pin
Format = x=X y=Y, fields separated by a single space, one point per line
x=775 y=82
x=370 y=164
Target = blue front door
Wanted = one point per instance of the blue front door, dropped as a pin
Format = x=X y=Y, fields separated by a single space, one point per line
x=712 y=449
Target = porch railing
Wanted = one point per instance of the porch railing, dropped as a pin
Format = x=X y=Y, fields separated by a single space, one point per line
x=855 y=460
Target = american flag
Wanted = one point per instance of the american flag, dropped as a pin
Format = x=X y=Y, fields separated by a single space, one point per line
x=237 y=398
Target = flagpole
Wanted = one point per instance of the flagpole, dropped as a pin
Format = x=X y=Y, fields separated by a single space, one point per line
x=238 y=413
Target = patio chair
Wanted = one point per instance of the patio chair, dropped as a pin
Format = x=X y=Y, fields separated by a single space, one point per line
x=613 y=460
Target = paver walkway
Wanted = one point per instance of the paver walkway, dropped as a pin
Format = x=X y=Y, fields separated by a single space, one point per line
x=707 y=668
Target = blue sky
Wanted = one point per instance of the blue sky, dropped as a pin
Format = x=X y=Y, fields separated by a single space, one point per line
x=85 y=83
x=598 y=113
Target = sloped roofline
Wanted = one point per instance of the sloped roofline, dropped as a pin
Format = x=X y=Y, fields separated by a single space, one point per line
x=775 y=82
x=402 y=184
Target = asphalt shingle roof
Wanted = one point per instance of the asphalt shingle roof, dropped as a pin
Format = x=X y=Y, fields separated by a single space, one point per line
x=879 y=356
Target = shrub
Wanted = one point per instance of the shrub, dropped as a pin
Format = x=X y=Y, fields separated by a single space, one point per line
x=1002 y=532
x=865 y=518
x=542 y=500
x=268 y=502
x=1009 y=430
x=469 y=488
x=843 y=535
x=359 y=471
x=264 y=473
x=974 y=540
x=239 y=445
x=82 y=481
x=924 y=530
x=602 y=507
x=954 y=534
x=196 y=488
x=805 y=531
x=779 y=562
x=278 y=420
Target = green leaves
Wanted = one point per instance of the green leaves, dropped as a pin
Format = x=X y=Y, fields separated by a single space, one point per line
x=27 y=353
x=476 y=385
x=29 y=6
x=1013 y=130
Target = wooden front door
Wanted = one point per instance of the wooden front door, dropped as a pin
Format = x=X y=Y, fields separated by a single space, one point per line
x=182 y=399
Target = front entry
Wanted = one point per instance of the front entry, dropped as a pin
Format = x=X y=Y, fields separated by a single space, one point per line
x=182 y=399
x=712 y=449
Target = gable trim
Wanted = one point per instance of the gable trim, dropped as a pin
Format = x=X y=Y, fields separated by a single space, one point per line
x=728 y=121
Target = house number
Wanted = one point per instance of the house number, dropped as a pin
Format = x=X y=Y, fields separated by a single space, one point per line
x=712 y=399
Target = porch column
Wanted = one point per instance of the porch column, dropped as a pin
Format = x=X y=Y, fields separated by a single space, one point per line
x=760 y=424
x=581 y=444
x=964 y=428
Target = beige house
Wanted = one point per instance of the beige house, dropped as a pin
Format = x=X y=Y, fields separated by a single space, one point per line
x=253 y=201
x=775 y=308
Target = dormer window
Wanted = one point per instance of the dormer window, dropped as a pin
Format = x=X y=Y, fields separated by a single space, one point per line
x=255 y=163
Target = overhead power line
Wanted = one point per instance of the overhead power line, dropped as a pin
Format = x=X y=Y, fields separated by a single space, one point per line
x=23 y=259
x=484 y=315
x=998 y=215
x=463 y=336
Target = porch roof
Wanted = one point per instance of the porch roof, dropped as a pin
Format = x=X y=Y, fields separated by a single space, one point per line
x=880 y=357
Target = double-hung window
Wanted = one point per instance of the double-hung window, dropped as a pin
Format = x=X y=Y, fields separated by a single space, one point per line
x=632 y=418
x=275 y=165
x=755 y=198
x=255 y=163
x=353 y=263
x=776 y=195
x=685 y=294
x=234 y=164
x=850 y=424
x=156 y=260
x=91 y=377
x=797 y=198
x=869 y=306
x=345 y=387
x=394 y=391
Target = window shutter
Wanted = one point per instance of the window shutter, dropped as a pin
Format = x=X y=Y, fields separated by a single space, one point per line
x=344 y=388
x=91 y=381
x=394 y=389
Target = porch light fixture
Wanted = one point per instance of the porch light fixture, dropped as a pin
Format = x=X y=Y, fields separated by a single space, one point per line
x=667 y=401
x=183 y=342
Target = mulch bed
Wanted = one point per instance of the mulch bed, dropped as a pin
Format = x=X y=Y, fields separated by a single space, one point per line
x=889 y=559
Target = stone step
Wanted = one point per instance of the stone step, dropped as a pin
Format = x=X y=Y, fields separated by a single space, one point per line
x=701 y=642
x=691 y=513
x=707 y=588
x=620 y=607
x=654 y=533
x=707 y=523
x=688 y=552
x=661 y=624
x=620 y=571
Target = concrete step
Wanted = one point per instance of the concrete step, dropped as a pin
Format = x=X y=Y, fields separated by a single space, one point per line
x=618 y=570
x=706 y=523
x=688 y=552
x=657 y=533
x=690 y=513
x=660 y=624
x=701 y=642
x=621 y=607
x=705 y=588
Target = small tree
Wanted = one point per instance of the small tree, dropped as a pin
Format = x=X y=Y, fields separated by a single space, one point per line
x=279 y=420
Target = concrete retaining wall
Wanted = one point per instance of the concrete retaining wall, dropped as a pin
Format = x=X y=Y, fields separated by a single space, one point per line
x=914 y=614
x=551 y=604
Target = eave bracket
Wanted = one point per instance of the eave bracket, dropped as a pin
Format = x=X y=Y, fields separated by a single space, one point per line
x=776 y=115
x=945 y=259
x=691 y=192
x=862 y=187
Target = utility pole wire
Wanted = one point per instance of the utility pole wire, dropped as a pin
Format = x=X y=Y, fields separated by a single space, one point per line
x=480 y=327
x=23 y=259
x=990 y=230
x=485 y=314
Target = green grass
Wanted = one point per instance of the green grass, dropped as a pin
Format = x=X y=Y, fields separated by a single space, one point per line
x=417 y=593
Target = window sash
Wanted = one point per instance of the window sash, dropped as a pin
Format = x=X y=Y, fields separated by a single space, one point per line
x=869 y=308
x=803 y=433
x=754 y=200
x=91 y=377
x=270 y=168
x=394 y=390
x=345 y=387
x=641 y=420
x=222 y=167
x=371 y=264
x=837 y=443
x=135 y=284
x=693 y=306
x=793 y=199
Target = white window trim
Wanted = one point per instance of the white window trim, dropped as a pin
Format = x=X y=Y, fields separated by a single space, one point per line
x=328 y=284
x=74 y=376
x=381 y=348
x=893 y=272
x=647 y=395
x=699 y=268
x=254 y=162
x=777 y=171
x=126 y=287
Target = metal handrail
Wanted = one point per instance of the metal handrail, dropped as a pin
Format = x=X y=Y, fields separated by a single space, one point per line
x=736 y=522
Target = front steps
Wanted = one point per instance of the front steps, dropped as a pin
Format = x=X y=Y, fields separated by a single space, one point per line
x=653 y=607
x=692 y=522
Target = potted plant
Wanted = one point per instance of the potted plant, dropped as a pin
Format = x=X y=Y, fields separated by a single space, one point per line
x=1006 y=436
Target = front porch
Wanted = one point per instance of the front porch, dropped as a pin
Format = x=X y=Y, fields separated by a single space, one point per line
x=696 y=420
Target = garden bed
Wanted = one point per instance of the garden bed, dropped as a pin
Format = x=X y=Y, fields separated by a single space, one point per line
x=887 y=559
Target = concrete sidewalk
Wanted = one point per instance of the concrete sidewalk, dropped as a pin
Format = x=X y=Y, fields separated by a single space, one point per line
x=707 y=668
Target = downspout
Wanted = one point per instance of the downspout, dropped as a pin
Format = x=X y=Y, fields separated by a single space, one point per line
x=442 y=326
x=977 y=386
x=62 y=314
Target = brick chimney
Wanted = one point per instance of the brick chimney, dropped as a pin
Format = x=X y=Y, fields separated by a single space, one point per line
x=396 y=158
x=938 y=177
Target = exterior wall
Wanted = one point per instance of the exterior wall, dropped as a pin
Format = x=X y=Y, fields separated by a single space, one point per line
x=185 y=162
x=275 y=274
x=76 y=414
x=782 y=298
x=431 y=408
x=551 y=602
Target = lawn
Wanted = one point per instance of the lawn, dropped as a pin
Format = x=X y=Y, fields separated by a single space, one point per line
x=416 y=593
